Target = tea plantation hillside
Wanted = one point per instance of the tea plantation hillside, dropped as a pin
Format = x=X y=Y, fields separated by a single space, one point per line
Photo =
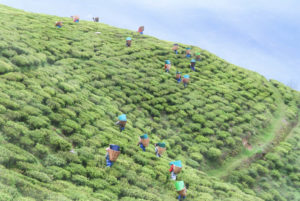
x=63 y=89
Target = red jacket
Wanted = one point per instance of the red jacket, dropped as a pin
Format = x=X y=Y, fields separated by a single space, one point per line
x=172 y=168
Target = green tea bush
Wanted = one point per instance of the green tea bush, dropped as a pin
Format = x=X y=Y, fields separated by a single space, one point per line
x=38 y=122
x=21 y=61
x=39 y=176
x=63 y=89
x=214 y=153
x=5 y=67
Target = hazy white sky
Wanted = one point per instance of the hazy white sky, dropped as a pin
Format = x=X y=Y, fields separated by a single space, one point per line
x=260 y=35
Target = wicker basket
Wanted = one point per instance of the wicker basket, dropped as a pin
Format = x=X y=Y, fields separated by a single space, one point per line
x=178 y=76
x=182 y=192
x=145 y=142
x=141 y=29
x=185 y=80
x=58 y=24
x=122 y=123
x=113 y=155
x=175 y=48
x=177 y=169
x=161 y=150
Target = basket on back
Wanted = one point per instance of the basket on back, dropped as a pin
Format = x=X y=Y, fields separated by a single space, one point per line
x=178 y=75
x=188 y=50
x=186 y=79
x=123 y=123
x=122 y=120
x=75 y=18
x=141 y=29
x=182 y=192
x=177 y=166
x=58 y=24
x=128 y=41
x=175 y=47
x=161 y=148
x=180 y=188
x=193 y=62
x=145 y=140
x=167 y=64
x=113 y=152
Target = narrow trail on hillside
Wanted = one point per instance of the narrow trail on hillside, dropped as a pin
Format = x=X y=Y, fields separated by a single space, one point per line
x=261 y=143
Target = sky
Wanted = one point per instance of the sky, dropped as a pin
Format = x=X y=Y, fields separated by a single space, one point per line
x=260 y=35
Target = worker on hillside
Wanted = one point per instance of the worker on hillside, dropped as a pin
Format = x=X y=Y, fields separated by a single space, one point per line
x=193 y=64
x=96 y=19
x=58 y=24
x=112 y=154
x=160 y=148
x=141 y=29
x=143 y=142
x=188 y=52
x=175 y=168
x=128 y=42
x=167 y=65
x=185 y=80
x=75 y=18
x=178 y=76
x=175 y=48
x=198 y=58
x=181 y=190
x=122 y=122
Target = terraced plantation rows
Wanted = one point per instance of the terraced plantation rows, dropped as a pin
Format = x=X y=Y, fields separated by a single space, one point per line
x=63 y=89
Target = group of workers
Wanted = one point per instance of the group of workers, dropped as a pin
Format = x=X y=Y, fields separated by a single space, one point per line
x=186 y=78
x=113 y=151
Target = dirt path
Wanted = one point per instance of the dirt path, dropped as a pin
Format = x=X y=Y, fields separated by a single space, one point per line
x=262 y=142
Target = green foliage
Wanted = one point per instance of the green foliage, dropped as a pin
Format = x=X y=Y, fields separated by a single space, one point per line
x=5 y=67
x=214 y=153
x=276 y=173
x=61 y=93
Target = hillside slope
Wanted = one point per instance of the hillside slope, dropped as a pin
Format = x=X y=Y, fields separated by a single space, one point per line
x=62 y=89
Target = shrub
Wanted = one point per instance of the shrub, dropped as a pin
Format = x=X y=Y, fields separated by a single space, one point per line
x=38 y=122
x=5 y=67
x=79 y=179
x=39 y=176
x=8 y=53
x=198 y=118
x=70 y=126
x=207 y=131
x=59 y=143
x=275 y=174
x=201 y=138
x=21 y=61
x=66 y=87
x=214 y=153
x=53 y=160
